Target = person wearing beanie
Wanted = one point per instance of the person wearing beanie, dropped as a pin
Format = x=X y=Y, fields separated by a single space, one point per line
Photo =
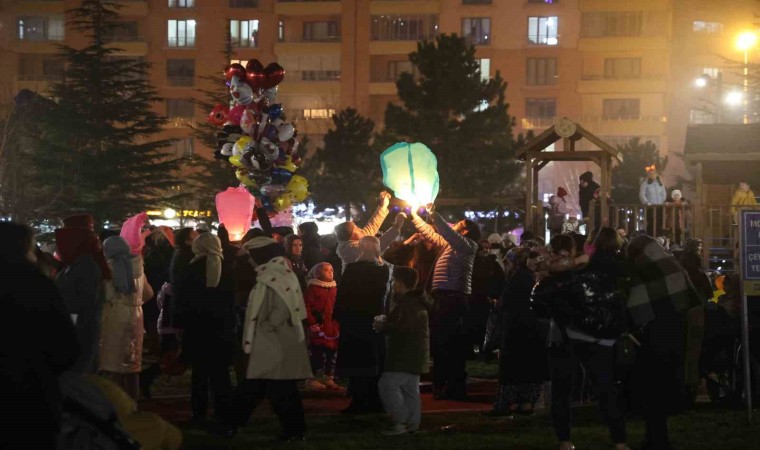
x=275 y=341
x=348 y=233
x=451 y=286
x=586 y=190
x=557 y=211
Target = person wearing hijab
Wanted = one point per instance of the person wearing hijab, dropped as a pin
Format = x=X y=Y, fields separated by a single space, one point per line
x=294 y=254
x=121 y=339
x=661 y=295
x=275 y=340
x=208 y=340
x=80 y=284
x=183 y=254
x=38 y=343
x=361 y=297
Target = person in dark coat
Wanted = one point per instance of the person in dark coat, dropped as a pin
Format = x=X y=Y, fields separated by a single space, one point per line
x=361 y=296
x=523 y=363
x=691 y=261
x=294 y=254
x=309 y=234
x=183 y=254
x=328 y=246
x=586 y=190
x=209 y=336
x=80 y=285
x=31 y=362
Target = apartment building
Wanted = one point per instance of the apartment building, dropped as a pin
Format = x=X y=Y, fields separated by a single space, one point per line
x=622 y=69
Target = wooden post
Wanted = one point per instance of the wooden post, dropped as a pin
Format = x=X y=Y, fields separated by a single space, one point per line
x=529 y=191
x=605 y=166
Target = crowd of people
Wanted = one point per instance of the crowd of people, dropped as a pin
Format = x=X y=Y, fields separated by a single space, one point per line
x=284 y=307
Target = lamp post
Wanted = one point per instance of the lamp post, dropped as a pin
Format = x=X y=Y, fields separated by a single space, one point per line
x=744 y=42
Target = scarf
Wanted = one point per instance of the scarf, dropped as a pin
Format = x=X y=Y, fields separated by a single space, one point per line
x=324 y=284
x=209 y=246
x=73 y=243
x=657 y=277
x=117 y=251
x=274 y=275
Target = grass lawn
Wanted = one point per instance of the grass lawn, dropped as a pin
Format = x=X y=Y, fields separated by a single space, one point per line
x=702 y=429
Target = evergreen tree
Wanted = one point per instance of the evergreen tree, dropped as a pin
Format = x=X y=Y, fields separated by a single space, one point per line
x=212 y=175
x=347 y=169
x=96 y=153
x=628 y=175
x=460 y=116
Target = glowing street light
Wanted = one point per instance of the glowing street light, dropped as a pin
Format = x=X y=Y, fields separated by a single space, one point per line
x=170 y=213
x=735 y=98
x=745 y=42
x=700 y=82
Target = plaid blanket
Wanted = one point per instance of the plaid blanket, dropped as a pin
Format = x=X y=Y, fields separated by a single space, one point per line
x=658 y=277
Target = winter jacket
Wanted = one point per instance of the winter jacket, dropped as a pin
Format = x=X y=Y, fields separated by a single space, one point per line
x=742 y=198
x=652 y=192
x=349 y=251
x=407 y=335
x=311 y=252
x=586 y=196
x=82 y=291
x=320 y=303
x=558 y=210
x=453 y=269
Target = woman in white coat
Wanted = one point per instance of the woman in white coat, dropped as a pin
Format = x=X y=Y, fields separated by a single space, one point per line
x=121 y=338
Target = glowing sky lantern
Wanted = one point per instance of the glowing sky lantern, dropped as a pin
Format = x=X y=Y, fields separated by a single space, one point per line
x=411 y=171
x=235 y=209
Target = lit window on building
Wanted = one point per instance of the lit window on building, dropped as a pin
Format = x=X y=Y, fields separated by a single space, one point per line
x=485 y=68
x=477 y=30
x=404 y=28
x=621 y=108
x=699 y=26
x=41 y=28
x=543 y=30
x=181 y=3
x=181 y=33
x=622 y=67
x=320 y=113
x=243 y=33
x=541 y=72
x=712 y=72
x=701 y=116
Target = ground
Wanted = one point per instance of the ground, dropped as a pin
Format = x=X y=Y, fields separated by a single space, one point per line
x=451 y=425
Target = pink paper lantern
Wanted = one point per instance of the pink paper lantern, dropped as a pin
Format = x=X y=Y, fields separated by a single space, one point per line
x=235 y=209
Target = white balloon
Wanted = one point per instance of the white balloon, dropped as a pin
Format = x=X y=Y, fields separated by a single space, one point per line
x=286 y=131
x=227 y=149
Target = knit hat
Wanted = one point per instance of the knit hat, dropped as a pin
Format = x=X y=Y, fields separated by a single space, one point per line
x=79 y=221
x=561 y=192
x=675 y=193
x=494 y=238
x=587 y=176
x=511 y=237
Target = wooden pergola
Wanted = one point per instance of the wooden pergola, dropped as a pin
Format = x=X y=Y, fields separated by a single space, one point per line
x=536 y=159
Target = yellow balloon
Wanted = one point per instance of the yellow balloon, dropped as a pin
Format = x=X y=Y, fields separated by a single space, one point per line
x=239 y=147
x=288 y=165
x=243 y=177
x=297 y=188
x=235 y=161
x=282 y=203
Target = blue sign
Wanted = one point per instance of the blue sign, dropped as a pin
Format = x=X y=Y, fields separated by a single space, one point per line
x=750 y=249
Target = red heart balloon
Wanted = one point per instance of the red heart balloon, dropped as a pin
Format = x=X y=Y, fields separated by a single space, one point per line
x=255 y=73
x=234 y=70
x=273 y=75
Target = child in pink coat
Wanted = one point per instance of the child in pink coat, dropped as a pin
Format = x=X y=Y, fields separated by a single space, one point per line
x=324 y=331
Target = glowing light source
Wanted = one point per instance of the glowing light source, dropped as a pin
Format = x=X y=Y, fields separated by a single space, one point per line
x=746 y=40
x=235 y=209
x=170 y=213
x=734 y=98
x=411 y=171
x=700 y=82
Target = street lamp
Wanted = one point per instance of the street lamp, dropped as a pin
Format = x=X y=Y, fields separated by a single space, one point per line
x=744 y=42
x=735 y=98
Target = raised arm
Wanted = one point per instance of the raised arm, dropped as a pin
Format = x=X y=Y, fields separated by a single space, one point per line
x=378 y=217
x=393 y=232
x=459 y=243
x=427 y=232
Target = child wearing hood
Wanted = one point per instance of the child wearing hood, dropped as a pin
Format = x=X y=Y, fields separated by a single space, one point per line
x=407 y=351
x=324 y=331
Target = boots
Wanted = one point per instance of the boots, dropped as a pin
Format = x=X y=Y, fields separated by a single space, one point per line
x=314 y=385
x=331 y=384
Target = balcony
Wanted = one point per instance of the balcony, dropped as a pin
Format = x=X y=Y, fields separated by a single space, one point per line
x=401 y=7
x=598 y=84
x=307 y=8
x=640 y=126
x=299 y=45
x=537 y=123
x=392 y=47
x=36 y=83
x=180 y=122
x=606 y=5
x=181 y=43
x=620 y=44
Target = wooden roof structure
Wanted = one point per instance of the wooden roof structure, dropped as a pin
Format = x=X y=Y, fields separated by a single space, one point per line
x=536 y=159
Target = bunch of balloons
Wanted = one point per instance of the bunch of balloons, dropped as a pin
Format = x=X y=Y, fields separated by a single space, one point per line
x=260 y=145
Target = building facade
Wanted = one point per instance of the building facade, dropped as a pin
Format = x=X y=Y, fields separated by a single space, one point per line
x=621 y=69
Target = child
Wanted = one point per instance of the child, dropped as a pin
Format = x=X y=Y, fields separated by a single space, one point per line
x=323 y=343
x=407 y=351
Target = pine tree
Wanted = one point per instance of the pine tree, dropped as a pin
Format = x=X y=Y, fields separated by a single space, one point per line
x=460 y=116
x=212 y=175
x=628 y=175
x=347 y=168
x=96 y=153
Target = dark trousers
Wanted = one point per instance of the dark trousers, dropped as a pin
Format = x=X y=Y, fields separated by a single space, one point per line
x=448 y=347
x=599 y=361
x=322 y=358
x=213 y=375
x=286 y=402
